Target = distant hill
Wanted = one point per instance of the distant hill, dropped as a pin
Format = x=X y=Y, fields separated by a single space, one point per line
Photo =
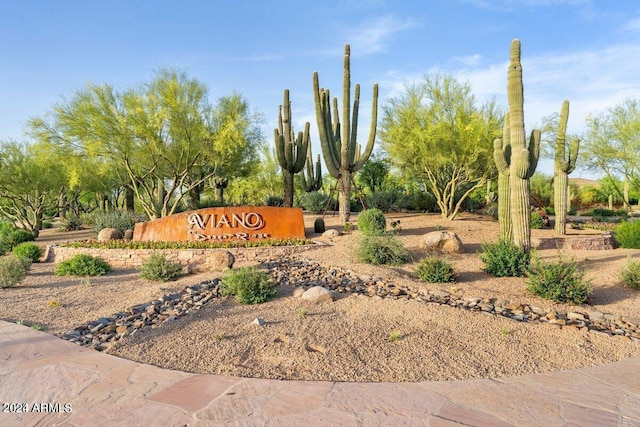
x=581 y=182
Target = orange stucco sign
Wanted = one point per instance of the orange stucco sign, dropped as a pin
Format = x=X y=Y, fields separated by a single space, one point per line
x=224 y=224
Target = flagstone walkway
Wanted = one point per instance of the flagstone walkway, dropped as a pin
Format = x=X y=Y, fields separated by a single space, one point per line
x=74 y=386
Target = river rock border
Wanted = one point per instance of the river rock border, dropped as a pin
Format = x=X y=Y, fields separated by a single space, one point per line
x=305 y=273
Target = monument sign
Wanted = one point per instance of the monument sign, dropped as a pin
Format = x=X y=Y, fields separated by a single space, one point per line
x=224 y=224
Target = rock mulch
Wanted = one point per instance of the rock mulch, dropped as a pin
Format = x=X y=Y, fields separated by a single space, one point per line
x=307 y=274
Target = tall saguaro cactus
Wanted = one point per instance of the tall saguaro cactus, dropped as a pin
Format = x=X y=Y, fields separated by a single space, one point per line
x=524 y=156
x=340 y=149
x=563 y=167
x=502 y=159
x=291 y=151
x=311 y=181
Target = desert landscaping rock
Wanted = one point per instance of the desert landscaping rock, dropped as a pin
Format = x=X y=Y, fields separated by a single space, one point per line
x=258 y=321
x=449 y=331
x=108 y=234
x=442 y=241
x=331 y=233
x=317 y=294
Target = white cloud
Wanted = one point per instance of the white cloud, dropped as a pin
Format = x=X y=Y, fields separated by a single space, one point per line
x=632 y=25
x=373 y=36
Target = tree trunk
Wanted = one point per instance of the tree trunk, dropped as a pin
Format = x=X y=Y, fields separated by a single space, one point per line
x=220 y=194
x=627 y=206
x=129 y=197
x=344 y=197
x=288 y=188
x=560 y=194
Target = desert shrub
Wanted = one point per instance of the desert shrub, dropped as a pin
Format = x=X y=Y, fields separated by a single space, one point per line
x=12 y=270
x=628 y=234
x=559 y=281
x=15 y=236
x=382 y=250
x=47 y=224
x=504 y=259
x=385 y=200
x=630 y=275
x=248 y=285
x=314 y=202
x=273 y=200
x=120 y=220
x=83 y=265
x=435 y=270
x=549 y=210
x=537 y=222
x=159 y=268
x=28 y=250
x=71 y=222
x=372 y=221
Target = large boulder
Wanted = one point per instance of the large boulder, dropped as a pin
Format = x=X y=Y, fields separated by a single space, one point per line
x=217 y=261
x=442 y=241
x=107 y=234
x=317 y=294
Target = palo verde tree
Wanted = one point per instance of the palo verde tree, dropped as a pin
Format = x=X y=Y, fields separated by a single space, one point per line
x=29 y=184
x=291 y=151
x=435 y=132
x=611 y=144
x=233 y=136
x=524 y=154
x=342 y=154
x=158 y=133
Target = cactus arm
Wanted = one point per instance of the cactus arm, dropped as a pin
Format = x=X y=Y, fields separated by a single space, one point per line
x=301 y=158
x=345 y=149
x=325 y=131
x=574 y=147
x=372 y=132
x=560 y=150
x=534 y=151
x=499 y=157
x=354 y=129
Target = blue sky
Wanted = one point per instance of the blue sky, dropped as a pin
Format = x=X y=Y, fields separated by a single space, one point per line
x=587 y=51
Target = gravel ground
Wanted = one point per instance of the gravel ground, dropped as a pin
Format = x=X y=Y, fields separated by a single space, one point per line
x=356 y=338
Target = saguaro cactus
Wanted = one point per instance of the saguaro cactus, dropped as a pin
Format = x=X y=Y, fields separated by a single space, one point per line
x=524 y=156
x=219 y=184
x=312 y=181
x=502 y=159
x=563 y=167
x=338 y=140
x=291 y=151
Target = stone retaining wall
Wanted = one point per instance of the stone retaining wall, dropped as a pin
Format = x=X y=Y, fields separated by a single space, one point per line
x=604 y=241
x=192 y=260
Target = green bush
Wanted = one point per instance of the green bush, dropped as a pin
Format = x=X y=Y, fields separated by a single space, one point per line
x=435 y=270
x=382 y=250
x=28 y=250
x=17 y=236
x=120 y=220
x=504 y=259
x=559 y=281
x=46 y=224
x=537 y=222
x=314 y=202
x=82 y=265
x=71 y=222
x=372 y=221
x=159 y=269
x=628 y=234
x=549 y=210
x=385 y=200
x=274 y=201
x=249 y=286
x=12 y=270
x=630 y=275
